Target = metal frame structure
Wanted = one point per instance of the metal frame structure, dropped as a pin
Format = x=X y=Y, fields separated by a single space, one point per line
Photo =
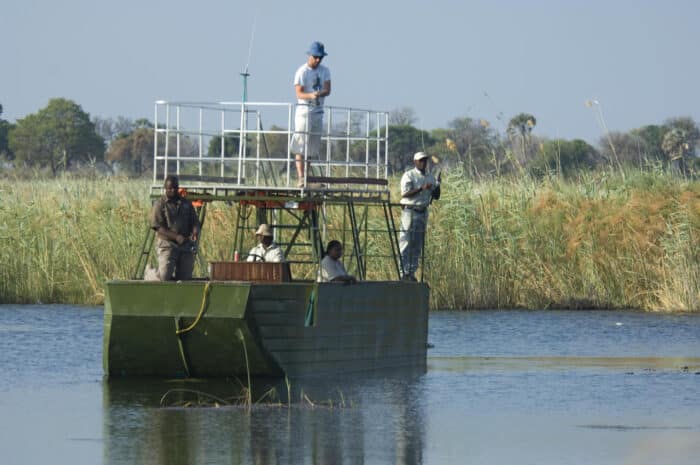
x=355 y=146
x=352 y=173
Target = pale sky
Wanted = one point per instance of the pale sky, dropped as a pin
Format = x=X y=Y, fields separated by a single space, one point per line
x=445 y=59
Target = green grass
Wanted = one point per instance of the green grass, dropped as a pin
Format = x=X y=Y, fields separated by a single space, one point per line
x=599 y=242
x=602 y=240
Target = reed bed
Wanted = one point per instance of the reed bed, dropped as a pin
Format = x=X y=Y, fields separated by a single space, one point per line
x=604 y=240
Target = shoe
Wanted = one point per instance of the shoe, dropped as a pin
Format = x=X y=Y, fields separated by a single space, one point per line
x=409 y=278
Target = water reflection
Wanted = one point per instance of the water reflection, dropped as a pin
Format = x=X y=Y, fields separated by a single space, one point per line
x=501 y=388
x=342 y=422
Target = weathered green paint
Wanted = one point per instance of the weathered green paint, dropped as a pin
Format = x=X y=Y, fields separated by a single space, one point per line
x=367 y=326
x=371 y=325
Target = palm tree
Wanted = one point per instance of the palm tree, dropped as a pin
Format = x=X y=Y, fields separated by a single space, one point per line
x=676 y=146
x=521 y=125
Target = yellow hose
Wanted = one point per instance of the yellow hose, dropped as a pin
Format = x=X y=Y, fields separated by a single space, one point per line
x=201 y=310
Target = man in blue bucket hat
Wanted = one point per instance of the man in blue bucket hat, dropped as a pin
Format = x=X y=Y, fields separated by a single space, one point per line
x=312 y=83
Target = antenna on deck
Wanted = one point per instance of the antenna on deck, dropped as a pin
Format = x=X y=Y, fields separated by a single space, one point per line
x=245 y=73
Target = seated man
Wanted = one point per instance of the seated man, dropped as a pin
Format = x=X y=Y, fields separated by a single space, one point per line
x=266 y=250
x=332 y=269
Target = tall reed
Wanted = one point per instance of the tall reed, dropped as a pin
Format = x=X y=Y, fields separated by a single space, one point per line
x=603 y=240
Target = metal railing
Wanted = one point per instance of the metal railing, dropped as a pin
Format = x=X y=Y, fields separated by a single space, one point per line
x=226 y=144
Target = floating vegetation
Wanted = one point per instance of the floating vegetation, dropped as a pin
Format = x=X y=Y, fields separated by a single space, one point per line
x=247 y=399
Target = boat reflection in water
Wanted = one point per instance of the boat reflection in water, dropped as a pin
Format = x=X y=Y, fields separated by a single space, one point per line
x=328 y=421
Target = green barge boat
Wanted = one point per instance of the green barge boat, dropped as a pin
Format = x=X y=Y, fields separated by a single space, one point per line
x=272 y=319
x=293 y=329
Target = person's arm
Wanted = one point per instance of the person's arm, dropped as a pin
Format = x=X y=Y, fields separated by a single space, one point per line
x=323 y=274
x=346 y=279
x=407 y=189
x=326 y=91
x=276 y=255
x=301 y=95
x=159 y=224
x=341 y=274
x=170 y=235
x=414 y=192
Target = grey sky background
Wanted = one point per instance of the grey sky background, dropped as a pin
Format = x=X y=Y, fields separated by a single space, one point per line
x=446 y=59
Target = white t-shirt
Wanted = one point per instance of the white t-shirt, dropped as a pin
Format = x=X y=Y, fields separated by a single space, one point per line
x=272 y=254
x=311 y=80
x=330 y=269
x=413 y=179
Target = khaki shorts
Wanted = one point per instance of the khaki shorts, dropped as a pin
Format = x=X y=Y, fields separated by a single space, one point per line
x=306 y=140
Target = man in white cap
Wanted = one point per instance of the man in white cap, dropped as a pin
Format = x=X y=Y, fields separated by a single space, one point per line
x=266 y=250
x=312 y=83
x=418 y=189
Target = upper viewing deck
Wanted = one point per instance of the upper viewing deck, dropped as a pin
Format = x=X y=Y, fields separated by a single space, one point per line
x=234 y=147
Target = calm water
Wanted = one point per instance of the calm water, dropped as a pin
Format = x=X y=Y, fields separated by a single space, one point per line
x=501 y=388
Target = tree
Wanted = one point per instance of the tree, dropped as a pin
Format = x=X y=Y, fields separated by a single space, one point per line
x=404 y=141
x=520 y=127
x=676 y=144
x=653 y=136
x=522 y=123
x=630 y=148
x=56 y=137
x=134 y=150
x=473 y=142
x=143 y=123
x=230 y=148
x=566 y=157
x=403 y=116
x=275 y=145
x=5 y=128
x=688 y=125
x=110 y=128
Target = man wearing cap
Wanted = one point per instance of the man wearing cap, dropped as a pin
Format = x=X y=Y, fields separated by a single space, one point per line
x=266 y=250
x=312 y=83
x=418 y=189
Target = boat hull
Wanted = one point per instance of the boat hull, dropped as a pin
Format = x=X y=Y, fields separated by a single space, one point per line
x=262 y=329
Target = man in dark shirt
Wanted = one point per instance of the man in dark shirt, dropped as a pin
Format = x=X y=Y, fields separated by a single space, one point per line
x=177 y=226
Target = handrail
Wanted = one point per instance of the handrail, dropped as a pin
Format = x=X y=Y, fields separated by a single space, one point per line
x=227 y=140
